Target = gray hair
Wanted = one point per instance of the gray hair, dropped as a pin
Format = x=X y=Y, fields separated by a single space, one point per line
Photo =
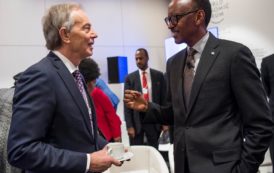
x=56 y=17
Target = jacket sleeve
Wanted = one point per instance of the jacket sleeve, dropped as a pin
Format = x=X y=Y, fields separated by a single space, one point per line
x=163 y=113
x=163 y=89
x=253 y=107
x=128 y=113
x=265 y=77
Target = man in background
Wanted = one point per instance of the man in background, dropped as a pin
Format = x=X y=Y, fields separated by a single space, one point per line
x=53 y=127
x=151 y=84
x=215 y=98
x=267 y=71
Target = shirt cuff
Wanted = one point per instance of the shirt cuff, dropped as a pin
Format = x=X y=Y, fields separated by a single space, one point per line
x=88 y=163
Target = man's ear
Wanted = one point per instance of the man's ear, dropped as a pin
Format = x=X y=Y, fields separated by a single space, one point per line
x=64 y=34
x=200 y=17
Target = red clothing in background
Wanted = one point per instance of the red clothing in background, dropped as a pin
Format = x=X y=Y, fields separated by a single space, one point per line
x=108 y=121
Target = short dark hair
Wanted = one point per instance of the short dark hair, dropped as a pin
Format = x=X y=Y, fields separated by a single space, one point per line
x=144 y=50
x=206 y=6
x=89 y=69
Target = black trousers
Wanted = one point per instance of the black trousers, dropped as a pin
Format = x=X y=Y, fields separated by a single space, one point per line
x=152 y=136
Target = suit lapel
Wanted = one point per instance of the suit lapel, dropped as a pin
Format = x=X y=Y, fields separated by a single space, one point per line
x=154 y=81
x=138 y=87
x=177 y=77
x=70 y=84
x=209 y=55
x=138 y=81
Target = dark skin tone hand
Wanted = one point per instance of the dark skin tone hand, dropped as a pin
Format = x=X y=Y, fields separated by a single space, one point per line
x=135 y=100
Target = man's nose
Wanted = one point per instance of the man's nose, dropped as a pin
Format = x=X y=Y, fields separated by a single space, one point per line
x=93 y=34
x=171 y=26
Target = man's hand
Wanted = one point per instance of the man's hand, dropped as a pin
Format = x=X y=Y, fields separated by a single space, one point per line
x=135 y=100
x=165 y=128
x=131 y=132
x=100 y=161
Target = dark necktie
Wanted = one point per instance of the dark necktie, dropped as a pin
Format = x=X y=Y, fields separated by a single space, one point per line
x=189 y=74
x=78 y=79
x=145 y=86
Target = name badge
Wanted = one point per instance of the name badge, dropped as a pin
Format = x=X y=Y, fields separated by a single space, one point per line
x=145 y=90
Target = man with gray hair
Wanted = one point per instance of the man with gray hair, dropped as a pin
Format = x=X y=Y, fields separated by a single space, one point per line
x=53 y=127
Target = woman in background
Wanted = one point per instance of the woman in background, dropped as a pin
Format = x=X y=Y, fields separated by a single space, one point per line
x=108 y=121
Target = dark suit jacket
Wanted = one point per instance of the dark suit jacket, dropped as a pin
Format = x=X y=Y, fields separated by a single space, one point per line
x=133 y=82
x=50 y=129
x=227 y=104
x=267 y=70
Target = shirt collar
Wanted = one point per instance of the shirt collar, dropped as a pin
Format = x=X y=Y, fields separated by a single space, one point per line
x=147 y=71
x=200 y=45
x=70 y=66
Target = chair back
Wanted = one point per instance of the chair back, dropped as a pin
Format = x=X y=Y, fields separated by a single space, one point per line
x=146 y=159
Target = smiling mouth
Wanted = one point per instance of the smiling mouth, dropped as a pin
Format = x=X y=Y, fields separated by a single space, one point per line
x=173 y=32
x=90 y=45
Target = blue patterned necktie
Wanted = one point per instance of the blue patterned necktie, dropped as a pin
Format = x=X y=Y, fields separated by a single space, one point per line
x=78 y=79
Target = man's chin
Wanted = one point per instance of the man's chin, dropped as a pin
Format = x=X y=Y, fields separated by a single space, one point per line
x=177 y=40
x=89 y=53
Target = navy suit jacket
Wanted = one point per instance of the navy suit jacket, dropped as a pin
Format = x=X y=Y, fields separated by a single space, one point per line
x=227 y=126
x=132 y=82
x=50 y=129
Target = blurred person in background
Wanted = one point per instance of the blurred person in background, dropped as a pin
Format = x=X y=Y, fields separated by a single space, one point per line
x=108 y=121
x=100 y=83
x=151 y=84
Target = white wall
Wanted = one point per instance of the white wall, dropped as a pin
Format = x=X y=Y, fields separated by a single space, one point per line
x=122 y=26
x=247 y=22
